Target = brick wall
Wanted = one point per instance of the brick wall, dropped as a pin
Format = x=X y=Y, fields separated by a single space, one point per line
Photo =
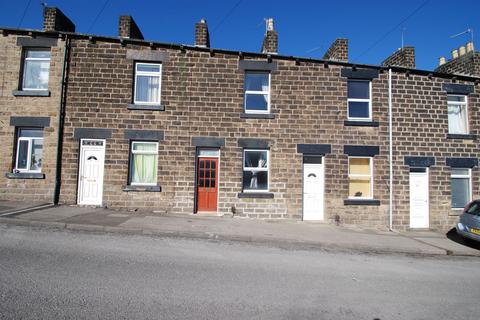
x=403 y=57
x=467 y=64
x=11 y=57
x=338 y=51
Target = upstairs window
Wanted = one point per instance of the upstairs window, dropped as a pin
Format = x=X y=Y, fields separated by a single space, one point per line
x=143 y=163
x=457 y=114
x=359 y=100
x=147 y=83
x=29 y=156
x=255 y=170
x=360 y=178
x=257 y=92
x=36 y=69
x=461 y=181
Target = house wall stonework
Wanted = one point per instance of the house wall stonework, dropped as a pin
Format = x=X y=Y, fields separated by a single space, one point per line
x=31 y=106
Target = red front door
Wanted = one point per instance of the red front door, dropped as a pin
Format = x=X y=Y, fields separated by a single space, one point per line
x=207 y=184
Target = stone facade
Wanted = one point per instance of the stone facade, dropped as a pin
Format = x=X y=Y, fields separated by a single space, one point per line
x=202 y=104
x=36 y=106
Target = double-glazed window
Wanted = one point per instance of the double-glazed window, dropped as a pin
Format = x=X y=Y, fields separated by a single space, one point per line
x=457 y=114
x=29 y=150
x=360 y=177
x=255 y=170
x=359 y=100
x=143 y=163
x=147 y=83
x=461 y=181
x=257 y=92
x=36 y=69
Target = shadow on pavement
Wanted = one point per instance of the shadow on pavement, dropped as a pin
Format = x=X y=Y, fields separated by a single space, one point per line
x=454 y=236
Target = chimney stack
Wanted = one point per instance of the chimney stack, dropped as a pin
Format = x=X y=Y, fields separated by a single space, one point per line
x=127 y=28
x=469 y=46
x=55 y=20
x=465 y=61
x=441 y=61
x=270 y=41
x=338 y=51
x=202 y=36
x=403 y=57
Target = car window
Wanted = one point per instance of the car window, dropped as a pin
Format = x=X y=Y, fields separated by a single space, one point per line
x=474 y=209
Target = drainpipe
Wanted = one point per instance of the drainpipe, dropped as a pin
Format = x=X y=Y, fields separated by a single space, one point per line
x=61 y=122
x=390 y=151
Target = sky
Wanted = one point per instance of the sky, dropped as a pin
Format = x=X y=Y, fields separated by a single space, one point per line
x=306 y=28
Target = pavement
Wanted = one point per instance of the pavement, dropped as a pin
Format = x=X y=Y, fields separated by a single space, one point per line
x=281 y=233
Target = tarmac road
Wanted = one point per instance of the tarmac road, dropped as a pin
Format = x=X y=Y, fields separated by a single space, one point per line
x=60 y=274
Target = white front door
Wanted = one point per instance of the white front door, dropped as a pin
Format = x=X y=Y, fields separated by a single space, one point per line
x=313 y=190
x=90 y=173
x=419 y=211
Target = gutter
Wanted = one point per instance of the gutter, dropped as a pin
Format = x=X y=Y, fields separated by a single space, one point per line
x=61 y=122
x=390 y=151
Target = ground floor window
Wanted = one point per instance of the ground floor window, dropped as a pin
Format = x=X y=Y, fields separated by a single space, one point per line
x=29 y=150
x=460 y=187
x=143 y=163
x=360 y=177
x=255 y=170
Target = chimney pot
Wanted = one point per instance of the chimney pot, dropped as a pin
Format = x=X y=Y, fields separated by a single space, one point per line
x=455 y=54
x=461 y=51
x=442 y=61
x=270 y=24
x=469 y=46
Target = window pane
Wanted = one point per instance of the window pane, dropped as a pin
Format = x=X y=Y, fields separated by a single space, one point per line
x=457 y=119
x=456 y=98
x=359 y=188
x=148 y=67
x=460 y=192
x=139 y=146
x=255 y=180
x=359 y=166
x=256 y=81
x=358 y=109
x=36 y=74
x=31 y=133
x=144 y=168
x=256 y=159
x=358 y=89
x=256 y=102
x=460 y=172
x=37 y=154
x=38 y=54
x=147 y=89
x=22 y=154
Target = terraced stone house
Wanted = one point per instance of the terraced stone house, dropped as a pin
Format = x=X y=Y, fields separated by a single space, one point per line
x=173 y=128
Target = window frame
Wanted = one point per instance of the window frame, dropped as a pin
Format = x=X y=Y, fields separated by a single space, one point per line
x=144 y=152
x=369 y=100
x=456 y=103
x=361 y=175
x=461 y=176
x=150 y=74
x=256 y=169
x=18 y=138
x=255 y=92
x=24 y=69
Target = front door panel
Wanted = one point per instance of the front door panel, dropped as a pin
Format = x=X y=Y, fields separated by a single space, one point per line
x=419 y=210
x=90 y=180
x=313 y=191
x=207 y=184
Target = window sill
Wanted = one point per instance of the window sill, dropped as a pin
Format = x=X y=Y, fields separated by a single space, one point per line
x=351 y=123
x=462 y=136
x=257 y=195
x=132 y=106
x=131 y=188
x=31 y=93
x=361 y=202
x=25 y=175
x=257 y=116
